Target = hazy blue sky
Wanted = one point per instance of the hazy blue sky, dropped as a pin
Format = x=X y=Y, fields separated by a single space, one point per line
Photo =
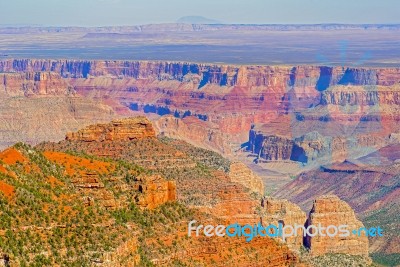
x=133 y=12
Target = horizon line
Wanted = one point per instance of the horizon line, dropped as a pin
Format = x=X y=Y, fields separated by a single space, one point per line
x=6 y=25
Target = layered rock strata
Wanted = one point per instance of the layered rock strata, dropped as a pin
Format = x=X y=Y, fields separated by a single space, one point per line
x=117 y=130
x=240 y=173
x=330 y=210
x=280 y=211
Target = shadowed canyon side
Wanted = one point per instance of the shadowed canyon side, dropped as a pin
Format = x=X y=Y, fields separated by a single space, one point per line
x=126 y=196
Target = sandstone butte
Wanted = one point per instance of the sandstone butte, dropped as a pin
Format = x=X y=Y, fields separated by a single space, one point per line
x=329 y=210
x=326 y=210
x=149 y=191
x=117 y=130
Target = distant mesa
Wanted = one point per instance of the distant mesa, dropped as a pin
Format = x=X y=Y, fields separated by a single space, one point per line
x=197 y=20
x=121 y=130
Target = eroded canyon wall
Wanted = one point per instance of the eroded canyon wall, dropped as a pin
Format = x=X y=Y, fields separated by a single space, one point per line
x=290 y=101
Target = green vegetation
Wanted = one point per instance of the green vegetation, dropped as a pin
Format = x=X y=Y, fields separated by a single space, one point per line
x=60 y=222
x=340 y=260
x=153 y=225
x=386 y=259
x=48 y=223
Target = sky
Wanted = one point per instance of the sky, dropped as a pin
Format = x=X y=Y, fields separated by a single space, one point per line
x=137 y=12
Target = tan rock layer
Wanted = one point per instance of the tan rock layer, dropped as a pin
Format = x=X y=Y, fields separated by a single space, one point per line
x=240 y=173
x=117 y=130
x=327 y=210
x=281 y=211
x=330 y=210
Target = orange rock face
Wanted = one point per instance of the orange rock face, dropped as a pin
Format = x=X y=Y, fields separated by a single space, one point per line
x=235 y=206
x=7 y=190
x=330 y=210
x=235 y=252
x=12 y=156
x=153 y=190
x=117 y=130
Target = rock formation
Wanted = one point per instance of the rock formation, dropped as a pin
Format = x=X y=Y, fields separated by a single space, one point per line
x=117 y=130
x=34 y=83
x=223 y=251
x=229 y=98
x=330 y=210
x=221 y=75
x=153 y=190
x=327 y=210
x=280 y=211
x=240 y=173
x=312 y=146
x=194 y=131
x=234 y=205
x=270 y=147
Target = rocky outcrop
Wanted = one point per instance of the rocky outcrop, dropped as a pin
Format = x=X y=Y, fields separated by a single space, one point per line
x=241 y=174
x=280 y=211
x=92 y=189
x=330 y=210
x=34 y=83
x=362 y=96
x=327 y=210
x=369 y=185
x=153 y=190
x=117 y=130
x=234 y=205
x=270 y=147
x=277 y=147
x=347 y=180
